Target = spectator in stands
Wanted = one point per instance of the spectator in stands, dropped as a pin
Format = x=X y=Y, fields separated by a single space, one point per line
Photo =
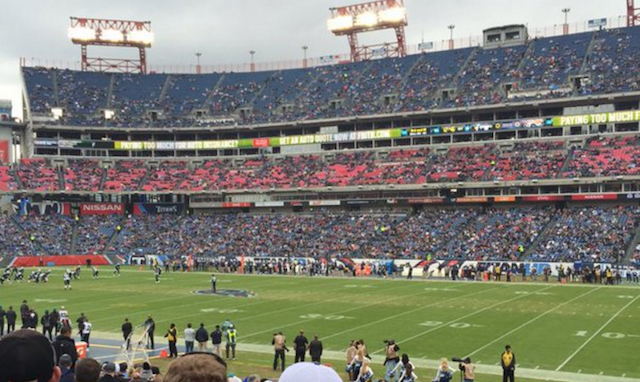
x=197 y=367
x=26 y=356
x=87 y=370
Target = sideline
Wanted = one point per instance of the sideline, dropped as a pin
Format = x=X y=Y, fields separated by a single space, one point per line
x=540 y=374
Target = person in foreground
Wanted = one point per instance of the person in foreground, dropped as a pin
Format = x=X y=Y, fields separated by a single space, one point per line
x=308 y=372
x=26 y=356
x=197 y=367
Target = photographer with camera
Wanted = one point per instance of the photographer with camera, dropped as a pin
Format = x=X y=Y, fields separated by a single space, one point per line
x=391 y=360
x=467 y=369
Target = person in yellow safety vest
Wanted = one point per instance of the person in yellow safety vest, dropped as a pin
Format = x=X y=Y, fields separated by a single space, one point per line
x=609 y=274
x=508 y=362
x=232 y=336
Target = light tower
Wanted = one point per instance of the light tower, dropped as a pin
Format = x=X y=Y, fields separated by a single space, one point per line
x=565 y=26
x=367 y=17
x=253 y=64
x=304 y=60
x=451 y=28
x=198 y=67
x=633 y=14
x=113 y=33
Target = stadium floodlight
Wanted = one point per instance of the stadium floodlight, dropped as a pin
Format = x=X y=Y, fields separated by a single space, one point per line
x=366 y=20
x=82 y=34
x=114 y=33
x=340 y=23
x=366 y=17
x=392 y=15
x=140 y=36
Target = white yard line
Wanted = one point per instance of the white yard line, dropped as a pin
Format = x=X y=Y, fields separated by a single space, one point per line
x=530 y=322
x=284 y=325
x=403 y=314
x=464 y=317
x=295 y=307
x=596 y=333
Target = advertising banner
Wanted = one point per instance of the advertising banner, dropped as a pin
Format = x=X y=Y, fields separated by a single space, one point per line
x=547 y=198
x=595 y=197
x=504 y=199
x=425 y=200
x=324 y=203
x=46 y=207
x=158 y=208
x=472 y=199
x=236 y=205
x=4 y=151
x=101 y=209
x=597 y=118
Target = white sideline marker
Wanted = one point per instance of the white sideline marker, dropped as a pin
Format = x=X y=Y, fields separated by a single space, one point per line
x=596 y=333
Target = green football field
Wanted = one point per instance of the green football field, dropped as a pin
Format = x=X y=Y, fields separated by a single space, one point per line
x=558 y=332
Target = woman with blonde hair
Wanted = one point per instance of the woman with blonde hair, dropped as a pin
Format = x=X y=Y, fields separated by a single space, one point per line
x=444 y=373
x=356 y=363
x=366 y=373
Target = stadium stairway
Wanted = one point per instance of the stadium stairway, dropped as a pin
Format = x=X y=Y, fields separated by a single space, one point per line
x=209 y=98
x=407 y=75
x=455 y=81
x=111 y=240
x=112 y=85
x=74 y=237
x=260 y=91
x=145 y=179
x=168 y=83
x=584 y=68
x=566 y=163
x=632 y=246
x=54 y=83
x=36 y=244
x=541 y=236
x=61 y=182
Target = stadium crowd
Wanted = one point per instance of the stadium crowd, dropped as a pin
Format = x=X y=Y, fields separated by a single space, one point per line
x=482 y=234
x=611 y=156
x=471 y=76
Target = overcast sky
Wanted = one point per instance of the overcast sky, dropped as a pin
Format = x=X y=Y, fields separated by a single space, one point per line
x=226 y=30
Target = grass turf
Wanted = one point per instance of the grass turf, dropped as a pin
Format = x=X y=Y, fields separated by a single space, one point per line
x=577 y=329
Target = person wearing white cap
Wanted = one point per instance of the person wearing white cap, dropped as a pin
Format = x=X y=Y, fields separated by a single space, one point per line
x=309 y=372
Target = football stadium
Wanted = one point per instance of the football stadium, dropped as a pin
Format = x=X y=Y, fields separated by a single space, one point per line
x=409 y=208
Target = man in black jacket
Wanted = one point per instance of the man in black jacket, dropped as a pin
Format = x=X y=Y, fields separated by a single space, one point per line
x=2 y=314
x=127 y=328
x=315 y=349
x=216 y=340
x=47 y=325
x=11 y=320
x=202 y=336
x=151 y=327
x=300 y=346
x=64 y=344
x=24 y=313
